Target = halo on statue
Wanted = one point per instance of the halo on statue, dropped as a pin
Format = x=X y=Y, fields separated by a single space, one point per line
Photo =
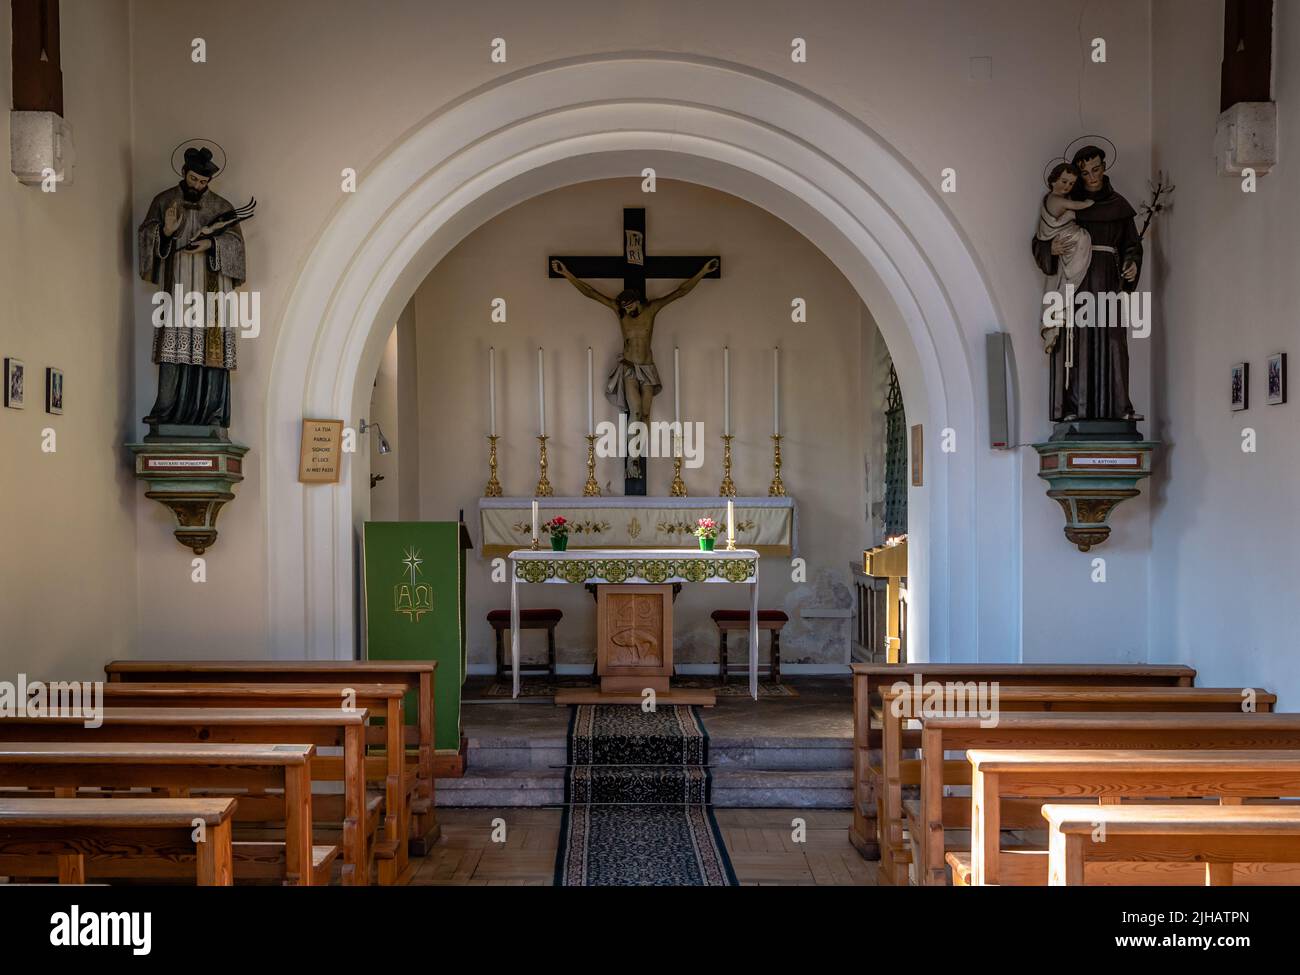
x=1112 y=154
x=178 y=154
x=1047 y=170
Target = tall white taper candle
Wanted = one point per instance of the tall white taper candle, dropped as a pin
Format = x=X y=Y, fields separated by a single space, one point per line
x=726 y=391
x=534 y=521
x=541 y=396
x=677 y=384
x=591 y=402
x=492 y=390
x=731 y=522
x=776 y=391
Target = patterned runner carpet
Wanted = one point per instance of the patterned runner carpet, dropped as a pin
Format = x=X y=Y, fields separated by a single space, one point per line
x=636 y=797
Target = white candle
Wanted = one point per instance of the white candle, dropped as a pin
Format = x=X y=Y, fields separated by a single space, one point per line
x=591 y=402
x=492 y=389
x=541 y=396
x=731 y=522
x=726 y=391
x=534 y=521
x=776 y=392
x=677 y=384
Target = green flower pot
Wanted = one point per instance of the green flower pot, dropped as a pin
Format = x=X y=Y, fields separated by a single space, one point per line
x=706 y=544
x=559 y=543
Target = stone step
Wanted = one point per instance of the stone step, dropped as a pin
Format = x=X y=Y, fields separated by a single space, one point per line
x=733 y=787
x=760 y=753
x=503 y=787
x=751 y=788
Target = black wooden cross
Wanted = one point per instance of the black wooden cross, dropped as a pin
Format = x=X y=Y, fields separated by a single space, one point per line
x=634 y=265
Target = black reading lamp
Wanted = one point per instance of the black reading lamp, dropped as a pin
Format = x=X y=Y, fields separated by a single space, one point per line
x=384 y=446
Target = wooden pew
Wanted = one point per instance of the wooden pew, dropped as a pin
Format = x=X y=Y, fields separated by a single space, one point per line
x=1217 y=836
x=72 y=829
x=70 y=766
x=1000 y=777
x=1083 y=729
x=323 y=727
x=867 y=679
x=894 y=773
x=383 y=700
x=416 y=675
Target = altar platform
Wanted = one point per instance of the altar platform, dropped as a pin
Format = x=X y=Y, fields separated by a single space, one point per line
x=791 y=751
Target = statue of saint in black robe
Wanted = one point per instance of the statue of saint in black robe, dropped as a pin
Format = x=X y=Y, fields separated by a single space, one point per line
x=184 y=249
x=1097 y=387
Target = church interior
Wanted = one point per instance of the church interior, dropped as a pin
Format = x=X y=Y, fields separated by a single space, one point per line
x=742 y=443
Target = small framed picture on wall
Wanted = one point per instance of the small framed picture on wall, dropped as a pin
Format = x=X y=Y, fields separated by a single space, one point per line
x=1275 y=379
x=15 y=380
x=54 y=391
x=1240 y=386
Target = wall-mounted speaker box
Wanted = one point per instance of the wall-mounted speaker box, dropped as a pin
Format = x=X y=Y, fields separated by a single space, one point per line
x=996 y=349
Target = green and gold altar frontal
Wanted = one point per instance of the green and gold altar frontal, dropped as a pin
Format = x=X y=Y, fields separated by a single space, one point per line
x=655 y=566
x=767 y=525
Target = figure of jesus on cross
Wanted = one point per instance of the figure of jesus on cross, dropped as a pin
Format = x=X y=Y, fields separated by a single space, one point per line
x=634 y=381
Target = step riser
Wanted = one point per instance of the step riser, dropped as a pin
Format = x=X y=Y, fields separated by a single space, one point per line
x=722 y=798
x=720 y=756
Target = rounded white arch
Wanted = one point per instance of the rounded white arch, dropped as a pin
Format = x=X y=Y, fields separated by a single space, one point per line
x=749 y=134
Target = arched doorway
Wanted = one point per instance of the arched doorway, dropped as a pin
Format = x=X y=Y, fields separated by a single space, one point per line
x=719 y=125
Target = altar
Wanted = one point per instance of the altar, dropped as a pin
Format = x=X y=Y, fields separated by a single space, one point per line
x=767 y=525
x=634 y=613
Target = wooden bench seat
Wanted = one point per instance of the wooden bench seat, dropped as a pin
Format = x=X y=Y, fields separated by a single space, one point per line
x=1081 y=730
x=73 y=829
x=902 y=699
x=1039 y=776
x=868 y=678
x=67 y=767
x=383 y=702
x=323 y=727
x=417 y=676
x=1216 y=837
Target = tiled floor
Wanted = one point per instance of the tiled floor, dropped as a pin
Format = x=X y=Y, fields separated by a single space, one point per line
x=760 y=841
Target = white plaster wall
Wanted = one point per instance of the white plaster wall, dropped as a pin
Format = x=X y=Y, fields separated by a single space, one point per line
x=1226 y=533
x=385 y=495
x=298 y=93
x=765 y=264
x=67 y=518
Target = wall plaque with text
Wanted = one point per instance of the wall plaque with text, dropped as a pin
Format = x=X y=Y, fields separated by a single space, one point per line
x=321 y=453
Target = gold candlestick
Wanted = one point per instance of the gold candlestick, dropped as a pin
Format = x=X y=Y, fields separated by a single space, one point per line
x=678 y=489
x=493 y=489
x=591 y=489
x=776 y=489
x=727 y=488
x=543 y=485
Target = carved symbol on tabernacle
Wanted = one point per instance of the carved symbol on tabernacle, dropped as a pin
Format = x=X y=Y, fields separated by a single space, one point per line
x=634 y=528
x=635 y=632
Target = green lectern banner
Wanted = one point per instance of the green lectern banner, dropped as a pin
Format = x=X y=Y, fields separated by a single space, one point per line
x=415 y=607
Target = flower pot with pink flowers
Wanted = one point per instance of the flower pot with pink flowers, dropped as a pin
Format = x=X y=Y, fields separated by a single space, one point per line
x=706 y=530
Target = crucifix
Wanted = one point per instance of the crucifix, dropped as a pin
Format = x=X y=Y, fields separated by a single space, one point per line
x=634 y=381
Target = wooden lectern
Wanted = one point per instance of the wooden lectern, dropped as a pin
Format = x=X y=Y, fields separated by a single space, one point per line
x=889 y=562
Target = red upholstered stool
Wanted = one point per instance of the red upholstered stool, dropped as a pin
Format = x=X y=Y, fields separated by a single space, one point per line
x=738 y=619
x=529 y=619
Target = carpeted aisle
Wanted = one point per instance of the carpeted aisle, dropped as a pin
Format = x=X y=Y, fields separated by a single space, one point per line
x=637 y=807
